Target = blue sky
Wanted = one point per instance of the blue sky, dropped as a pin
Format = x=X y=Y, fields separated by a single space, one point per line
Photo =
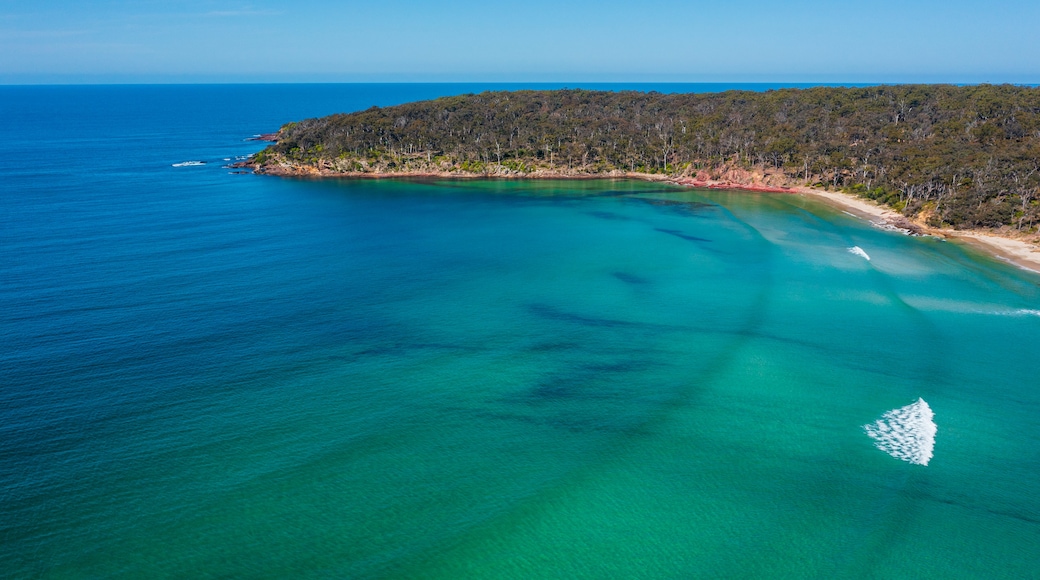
x=537 y=40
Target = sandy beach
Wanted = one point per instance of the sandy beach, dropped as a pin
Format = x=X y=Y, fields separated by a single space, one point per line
x=1018 y=252
x=1021 y=253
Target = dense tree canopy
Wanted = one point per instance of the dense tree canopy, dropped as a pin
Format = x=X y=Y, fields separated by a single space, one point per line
x=963 y=156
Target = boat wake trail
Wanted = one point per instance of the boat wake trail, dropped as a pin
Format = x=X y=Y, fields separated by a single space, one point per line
x=859 y=252
x=906 y=433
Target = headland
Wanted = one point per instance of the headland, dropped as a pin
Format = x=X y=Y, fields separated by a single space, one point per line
x=954 y=162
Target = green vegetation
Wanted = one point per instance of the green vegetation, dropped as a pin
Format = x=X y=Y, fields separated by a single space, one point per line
x=961 y=156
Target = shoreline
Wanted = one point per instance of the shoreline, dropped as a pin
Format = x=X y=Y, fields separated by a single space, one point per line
x=1020 y=253
x=1017 y=252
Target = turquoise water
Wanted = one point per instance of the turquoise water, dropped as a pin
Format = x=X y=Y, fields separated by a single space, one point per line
x=216 y=375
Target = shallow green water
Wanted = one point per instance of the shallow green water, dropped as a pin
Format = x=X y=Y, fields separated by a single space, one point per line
x=541 y=379
x=707 y=410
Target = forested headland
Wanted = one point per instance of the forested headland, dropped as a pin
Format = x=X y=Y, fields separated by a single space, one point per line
x=953 y=156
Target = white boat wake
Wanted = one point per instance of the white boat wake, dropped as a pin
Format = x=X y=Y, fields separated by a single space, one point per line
x=859 y=252
x=906 y=433
x=189 y=163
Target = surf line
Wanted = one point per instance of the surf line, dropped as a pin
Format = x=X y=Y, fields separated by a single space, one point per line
x=906 y=433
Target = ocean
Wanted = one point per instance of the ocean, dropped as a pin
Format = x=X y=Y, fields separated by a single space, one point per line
x=206 y=374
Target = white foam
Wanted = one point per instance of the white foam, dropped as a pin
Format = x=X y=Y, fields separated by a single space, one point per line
x=1019 y=312
x=189 y=163
x=906 y=433
x=859 y=252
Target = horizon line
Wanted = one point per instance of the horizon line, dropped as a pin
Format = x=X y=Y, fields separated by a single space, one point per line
x=799 y=83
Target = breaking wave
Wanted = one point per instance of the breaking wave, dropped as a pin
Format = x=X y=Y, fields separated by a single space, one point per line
x=189 y=163
x=1019 y=312
x=906 y=433
x=859 y=252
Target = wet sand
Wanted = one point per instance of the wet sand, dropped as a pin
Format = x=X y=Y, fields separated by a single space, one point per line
x=1018 y=252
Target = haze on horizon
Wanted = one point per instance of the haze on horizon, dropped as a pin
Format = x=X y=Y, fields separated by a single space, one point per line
x=960 y=41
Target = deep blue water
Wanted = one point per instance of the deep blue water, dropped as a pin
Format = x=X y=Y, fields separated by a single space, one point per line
x=209 y=374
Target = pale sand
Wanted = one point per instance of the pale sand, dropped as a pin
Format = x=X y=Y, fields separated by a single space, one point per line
x=1020 y=253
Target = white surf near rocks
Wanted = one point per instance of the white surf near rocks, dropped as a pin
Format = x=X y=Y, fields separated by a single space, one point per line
x=859 y=252
x=906 y=433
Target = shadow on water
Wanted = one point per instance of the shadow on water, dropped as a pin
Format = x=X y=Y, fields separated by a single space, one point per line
x=575 y=385
x=553 y=346
x=631 y=279
x=588 y=382
x=685 y=208
x=598 y=398
x=609 y=215
x=553 y=313
x=682 y=236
